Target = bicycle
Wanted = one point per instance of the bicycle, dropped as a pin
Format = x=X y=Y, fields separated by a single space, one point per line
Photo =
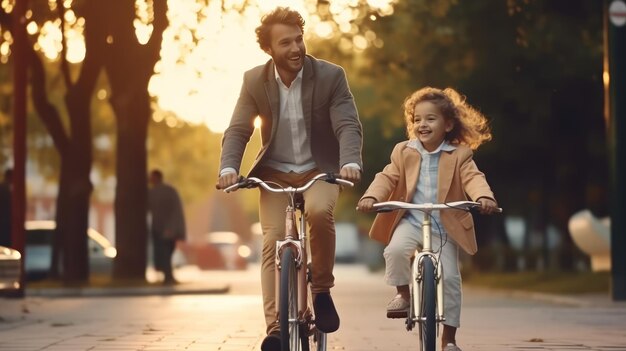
x=426 y=288
x=293 y=268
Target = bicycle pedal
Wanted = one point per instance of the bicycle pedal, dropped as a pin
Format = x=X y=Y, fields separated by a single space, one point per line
x=397 y=314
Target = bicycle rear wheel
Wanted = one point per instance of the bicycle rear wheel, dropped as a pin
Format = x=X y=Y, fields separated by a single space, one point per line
x=428 y=297
x=288 y=318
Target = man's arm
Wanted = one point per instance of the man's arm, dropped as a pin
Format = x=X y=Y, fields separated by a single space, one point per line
x=347 y=127
x=236 y=137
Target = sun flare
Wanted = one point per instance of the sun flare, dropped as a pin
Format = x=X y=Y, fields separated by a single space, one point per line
x=206 y=50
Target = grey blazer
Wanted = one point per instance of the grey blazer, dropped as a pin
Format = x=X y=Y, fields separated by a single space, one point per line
x=332 y=121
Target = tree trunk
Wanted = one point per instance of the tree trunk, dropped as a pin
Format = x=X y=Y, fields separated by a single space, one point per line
x=131 y=191
x=129 y=67
x=72 y=220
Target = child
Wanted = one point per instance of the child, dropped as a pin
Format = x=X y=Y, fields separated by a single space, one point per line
x=434 y=166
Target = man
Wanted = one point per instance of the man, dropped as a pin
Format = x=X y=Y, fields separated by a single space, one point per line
x=309 y=125
x=168 y=223
x=5 y=208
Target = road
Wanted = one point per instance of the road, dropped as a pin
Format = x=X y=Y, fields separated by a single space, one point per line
x=233 y=321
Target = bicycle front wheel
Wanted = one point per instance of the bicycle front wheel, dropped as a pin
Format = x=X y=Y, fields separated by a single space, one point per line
x=428 y=297
x=288 y=318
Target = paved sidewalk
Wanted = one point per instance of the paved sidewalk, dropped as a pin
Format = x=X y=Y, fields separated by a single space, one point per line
x=232 y=321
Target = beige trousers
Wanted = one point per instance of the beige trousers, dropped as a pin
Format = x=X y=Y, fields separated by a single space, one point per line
x=405 y=240
x=319 y=205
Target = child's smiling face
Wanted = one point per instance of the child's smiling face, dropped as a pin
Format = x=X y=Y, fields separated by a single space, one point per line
x=429 y=125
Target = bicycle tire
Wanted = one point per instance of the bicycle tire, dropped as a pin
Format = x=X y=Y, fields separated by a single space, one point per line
x=288 y=318
x=428 y=297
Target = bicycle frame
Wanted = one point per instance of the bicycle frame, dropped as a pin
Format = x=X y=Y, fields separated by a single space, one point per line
x=299 y=243
x=427 y=252
x=297 y=240
x=422 y=287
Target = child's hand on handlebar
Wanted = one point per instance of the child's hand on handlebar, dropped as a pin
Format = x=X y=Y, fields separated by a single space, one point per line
x=487 y=206
x=366 y=204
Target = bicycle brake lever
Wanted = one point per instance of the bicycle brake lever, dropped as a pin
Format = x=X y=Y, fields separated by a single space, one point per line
x=331 y=178
x=241 y=183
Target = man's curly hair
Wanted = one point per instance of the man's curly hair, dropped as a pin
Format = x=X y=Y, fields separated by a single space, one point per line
x=281 y=15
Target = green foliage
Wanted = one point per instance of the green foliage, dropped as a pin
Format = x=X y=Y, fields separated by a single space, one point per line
x=533 y=67
x=189 y=157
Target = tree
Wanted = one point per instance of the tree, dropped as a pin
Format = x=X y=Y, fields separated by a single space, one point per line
x=534 y=70
x=129 y=66
x=111 y=42
x=73 y=143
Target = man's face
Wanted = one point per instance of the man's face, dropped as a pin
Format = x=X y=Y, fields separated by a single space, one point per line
x=287 y=48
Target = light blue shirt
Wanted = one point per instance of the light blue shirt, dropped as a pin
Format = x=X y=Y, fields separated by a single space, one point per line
x=427 y=186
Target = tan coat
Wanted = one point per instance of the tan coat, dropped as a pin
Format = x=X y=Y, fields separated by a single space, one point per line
x=459 y=179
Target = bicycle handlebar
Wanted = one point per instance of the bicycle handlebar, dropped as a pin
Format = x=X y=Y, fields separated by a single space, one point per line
x=253 y=182
x=388 y=206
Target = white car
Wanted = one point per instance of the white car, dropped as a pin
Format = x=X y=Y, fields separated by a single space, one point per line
x=10 y=267
x=347 y=242
x=38 y=255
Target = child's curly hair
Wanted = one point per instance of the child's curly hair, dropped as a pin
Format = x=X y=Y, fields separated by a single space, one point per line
x=470 y=126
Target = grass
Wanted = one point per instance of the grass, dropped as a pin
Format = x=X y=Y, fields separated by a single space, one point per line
x=543 y=282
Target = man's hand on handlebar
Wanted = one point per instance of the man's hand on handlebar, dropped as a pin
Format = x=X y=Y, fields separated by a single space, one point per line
x=226 y=180
x=366 y=204
x=350 y=173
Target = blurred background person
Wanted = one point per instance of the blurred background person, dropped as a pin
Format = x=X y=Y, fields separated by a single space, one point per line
x=167 y=223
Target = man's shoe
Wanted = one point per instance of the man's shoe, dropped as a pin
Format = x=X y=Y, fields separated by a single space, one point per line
x=271 y=342
x=170 y=281
x=326 y=317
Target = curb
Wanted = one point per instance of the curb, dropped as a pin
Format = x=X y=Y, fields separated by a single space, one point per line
x=126 y=291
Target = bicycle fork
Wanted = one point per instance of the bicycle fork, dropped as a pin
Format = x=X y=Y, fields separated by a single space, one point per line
x=417 y=276
x=292 y=240
x=426 y=254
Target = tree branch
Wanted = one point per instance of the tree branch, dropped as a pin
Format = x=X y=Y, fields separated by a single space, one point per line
x=65 y=71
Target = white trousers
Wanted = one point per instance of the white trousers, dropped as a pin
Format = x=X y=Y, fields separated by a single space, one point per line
x=405 y=240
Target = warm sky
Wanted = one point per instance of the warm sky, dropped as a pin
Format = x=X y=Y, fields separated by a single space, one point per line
x=201 y=82
x=204 y=51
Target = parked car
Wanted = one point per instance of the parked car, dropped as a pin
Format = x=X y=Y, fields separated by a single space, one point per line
x=10 y=267
x=38 y=249
x=220 y=250
x=347 y=242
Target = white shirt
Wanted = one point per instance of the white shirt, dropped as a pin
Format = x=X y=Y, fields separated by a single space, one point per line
x=291 y=148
